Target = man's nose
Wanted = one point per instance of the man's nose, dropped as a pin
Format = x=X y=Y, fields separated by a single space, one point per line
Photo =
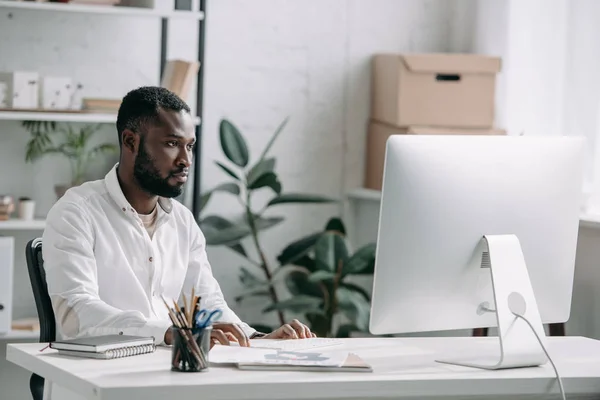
x=185 y=158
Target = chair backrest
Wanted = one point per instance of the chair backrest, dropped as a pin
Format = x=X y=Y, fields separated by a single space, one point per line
x=37 y=277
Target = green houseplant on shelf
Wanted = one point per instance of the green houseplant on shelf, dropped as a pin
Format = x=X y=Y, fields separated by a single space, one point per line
x=260 y=277
x=49 y=137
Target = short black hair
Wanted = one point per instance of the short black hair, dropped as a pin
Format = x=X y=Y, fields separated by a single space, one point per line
x=141 y=106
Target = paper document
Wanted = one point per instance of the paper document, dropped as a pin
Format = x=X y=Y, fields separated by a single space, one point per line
x=220 y=354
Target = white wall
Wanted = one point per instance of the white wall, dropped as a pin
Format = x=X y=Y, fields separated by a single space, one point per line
x=265 y=60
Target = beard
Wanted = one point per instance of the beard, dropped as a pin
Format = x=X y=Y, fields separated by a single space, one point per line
x=148 y=177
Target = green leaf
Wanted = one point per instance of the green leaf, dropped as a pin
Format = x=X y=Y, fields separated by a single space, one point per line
x=268 y=179
x=262 y=328
x=319 y=323
x=300 y=304
x=356 y=288
x=336 y=225
x=228 y=170
x=354 y=306
x=215 y=222
x=298 y=283
x=263 y=223
x=204 y=199
x=219 y=231
x=100 y=149
x=259 y=169
x=273 y=138
x=239 y=248
x=233 y=144
x=252 y=293
x=360 y=260
x=319 y=276
x=229 y=187
x=306 y=262
x=249 y=280
x=330 y=251
x=295 y=250
x=345 y=330
x=290 y=198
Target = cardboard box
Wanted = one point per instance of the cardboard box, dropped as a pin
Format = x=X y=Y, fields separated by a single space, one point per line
x=379 y=134
x=447 y=90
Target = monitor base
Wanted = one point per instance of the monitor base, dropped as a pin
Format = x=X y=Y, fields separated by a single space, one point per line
x=513 y=294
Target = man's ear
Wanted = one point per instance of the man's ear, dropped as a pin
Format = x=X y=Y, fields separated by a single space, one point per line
x=130 y=140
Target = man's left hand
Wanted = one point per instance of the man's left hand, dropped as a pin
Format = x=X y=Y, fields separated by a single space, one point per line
x=293 y=330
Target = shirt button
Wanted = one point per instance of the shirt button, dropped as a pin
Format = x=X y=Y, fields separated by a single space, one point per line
x=150 y=259
x=123 y=209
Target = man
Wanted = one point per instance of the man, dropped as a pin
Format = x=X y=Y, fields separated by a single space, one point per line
x=114 y=248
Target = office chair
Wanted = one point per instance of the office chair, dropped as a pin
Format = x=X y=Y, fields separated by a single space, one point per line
x=37 y=277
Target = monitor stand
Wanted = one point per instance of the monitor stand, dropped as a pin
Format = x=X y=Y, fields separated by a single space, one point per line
x=512 y=292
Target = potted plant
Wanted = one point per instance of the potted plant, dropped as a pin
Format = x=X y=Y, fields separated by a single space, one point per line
x=317 y=271
x=73 y=144
x=260 y=276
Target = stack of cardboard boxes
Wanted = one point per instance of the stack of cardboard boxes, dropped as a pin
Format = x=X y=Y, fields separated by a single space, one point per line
x=428 y=94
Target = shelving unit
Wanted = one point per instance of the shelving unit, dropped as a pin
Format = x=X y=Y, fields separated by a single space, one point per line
x=165 y=16
x=19 y=335
x=64 y=116
x=14 y=115
x=98 y=9
x=586 y=220
x=22 y=225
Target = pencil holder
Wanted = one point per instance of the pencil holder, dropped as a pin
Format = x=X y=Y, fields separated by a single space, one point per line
x=190 y=349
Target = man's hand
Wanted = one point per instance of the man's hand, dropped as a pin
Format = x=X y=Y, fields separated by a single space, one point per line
x=293 y=330
x=225 y=333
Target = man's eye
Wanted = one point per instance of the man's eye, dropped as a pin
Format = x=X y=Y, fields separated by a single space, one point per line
x=191 y=147
x=172 y=143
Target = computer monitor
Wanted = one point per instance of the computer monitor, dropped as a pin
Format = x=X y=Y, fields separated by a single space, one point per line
x=459 y=210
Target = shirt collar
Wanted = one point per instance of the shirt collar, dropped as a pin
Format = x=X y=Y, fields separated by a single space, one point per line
x=114 y=190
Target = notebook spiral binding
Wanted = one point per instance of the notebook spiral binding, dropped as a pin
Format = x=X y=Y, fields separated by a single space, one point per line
x=130 y=351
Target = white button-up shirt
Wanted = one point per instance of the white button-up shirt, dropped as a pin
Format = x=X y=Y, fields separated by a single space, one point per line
x=106 y=275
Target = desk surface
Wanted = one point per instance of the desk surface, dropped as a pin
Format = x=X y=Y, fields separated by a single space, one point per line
x=403 y=368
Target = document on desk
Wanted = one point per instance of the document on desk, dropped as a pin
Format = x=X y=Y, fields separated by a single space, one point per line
x=272 y=359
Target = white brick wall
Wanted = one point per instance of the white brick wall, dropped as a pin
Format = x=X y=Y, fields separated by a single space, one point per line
x=311 y=61
x=264 y=60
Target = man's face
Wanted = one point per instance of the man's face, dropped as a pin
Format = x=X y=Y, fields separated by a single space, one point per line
x=164 y=154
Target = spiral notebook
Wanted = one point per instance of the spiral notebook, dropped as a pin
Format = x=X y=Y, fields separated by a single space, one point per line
x=105 y=347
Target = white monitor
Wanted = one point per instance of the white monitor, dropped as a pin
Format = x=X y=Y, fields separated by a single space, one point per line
x=456 y=210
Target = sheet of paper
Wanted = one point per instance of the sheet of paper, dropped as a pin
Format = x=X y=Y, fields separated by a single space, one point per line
x=235 y=354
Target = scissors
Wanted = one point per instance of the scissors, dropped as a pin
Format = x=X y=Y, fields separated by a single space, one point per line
x=206 y=317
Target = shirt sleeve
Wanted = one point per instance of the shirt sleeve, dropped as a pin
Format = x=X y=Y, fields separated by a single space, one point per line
x=71 y=276
x=206 y=286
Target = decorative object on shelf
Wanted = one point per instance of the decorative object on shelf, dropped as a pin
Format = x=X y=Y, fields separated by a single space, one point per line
x=317 y=270
x=187 y=5
x=74 y=146
x=7 y=206
x=247 y=179
x=3 y=94
x=178 y=76
x=56 y=93
x=101 y=105
x=26 y=209
x=22 y=89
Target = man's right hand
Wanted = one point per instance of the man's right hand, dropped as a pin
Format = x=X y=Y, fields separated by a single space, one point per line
x=225 y=333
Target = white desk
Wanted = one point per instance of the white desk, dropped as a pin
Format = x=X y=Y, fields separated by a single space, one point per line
x=403 y=368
